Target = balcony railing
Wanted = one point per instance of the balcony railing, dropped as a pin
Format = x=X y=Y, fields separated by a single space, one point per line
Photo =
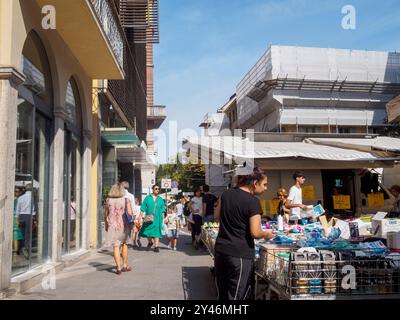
x=140 y=20
x=156 y=112
x=129 y=94
x=109 y=20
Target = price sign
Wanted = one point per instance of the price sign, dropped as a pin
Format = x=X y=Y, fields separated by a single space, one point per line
x=264 y=206
x=308 y=193
x=376 y=200
x=273 y=206
x=341 y=202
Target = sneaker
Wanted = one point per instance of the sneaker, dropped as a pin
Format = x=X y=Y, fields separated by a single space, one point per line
x=174 y=249
x=156 y=249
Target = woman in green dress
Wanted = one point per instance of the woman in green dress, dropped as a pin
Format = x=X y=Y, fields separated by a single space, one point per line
x=153 y=204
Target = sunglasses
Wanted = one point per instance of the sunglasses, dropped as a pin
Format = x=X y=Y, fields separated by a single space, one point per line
x=156 y=188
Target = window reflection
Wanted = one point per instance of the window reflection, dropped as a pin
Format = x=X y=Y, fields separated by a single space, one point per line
x=30 y=229
x=72 y=219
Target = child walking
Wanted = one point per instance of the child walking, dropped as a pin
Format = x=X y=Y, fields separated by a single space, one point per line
x=172 y=222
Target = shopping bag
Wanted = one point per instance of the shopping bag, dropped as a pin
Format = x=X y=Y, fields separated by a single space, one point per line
x=164 y=230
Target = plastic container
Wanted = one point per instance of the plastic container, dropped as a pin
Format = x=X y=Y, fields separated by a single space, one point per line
x=280 y=223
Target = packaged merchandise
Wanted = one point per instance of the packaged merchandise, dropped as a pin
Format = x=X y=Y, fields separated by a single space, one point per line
x=381 y=226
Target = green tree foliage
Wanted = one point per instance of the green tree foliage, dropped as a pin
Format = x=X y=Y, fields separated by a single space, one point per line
x=189 y=176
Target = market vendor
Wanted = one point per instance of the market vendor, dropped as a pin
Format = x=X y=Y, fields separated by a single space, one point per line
x=282 y=210
x=294 y=201
x=239 y=213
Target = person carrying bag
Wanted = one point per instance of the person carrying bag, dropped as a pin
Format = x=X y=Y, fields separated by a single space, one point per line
x=153 y=207
x=148 y=219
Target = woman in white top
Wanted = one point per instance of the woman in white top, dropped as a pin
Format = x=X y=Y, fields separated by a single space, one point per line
x=196 y=208
x=179 y=212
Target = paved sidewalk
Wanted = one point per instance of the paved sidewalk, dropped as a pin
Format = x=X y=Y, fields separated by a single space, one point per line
x=168 y=275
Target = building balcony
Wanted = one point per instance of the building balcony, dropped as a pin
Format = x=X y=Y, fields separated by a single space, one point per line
x=140 y=19
x=156 y=115
x=93 y=32
x=129 y=95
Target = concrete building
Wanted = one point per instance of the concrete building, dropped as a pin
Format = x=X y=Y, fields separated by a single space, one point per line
x=292 y=103
x=64 y=129
x=393 y=110
x=318 y=90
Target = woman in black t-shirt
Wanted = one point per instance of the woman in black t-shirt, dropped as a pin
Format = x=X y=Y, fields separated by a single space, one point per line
x=239 y=213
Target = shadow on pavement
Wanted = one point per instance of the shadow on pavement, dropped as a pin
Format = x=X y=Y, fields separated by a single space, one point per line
x=185 y=245
x=103 y=267
x=198 y=283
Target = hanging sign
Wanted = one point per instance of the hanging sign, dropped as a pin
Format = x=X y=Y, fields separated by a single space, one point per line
x=341 y=202
x=376 y=200
x=264 y=206
x=273 y=206
x=308 y=193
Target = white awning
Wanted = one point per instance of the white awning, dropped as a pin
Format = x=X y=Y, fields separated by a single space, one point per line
x=131 y=154
x=245 y=149
x=385 y=144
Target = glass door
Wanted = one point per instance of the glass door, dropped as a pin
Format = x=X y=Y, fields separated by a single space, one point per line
x=40 y=226
x=72 y=194
x=31 y=220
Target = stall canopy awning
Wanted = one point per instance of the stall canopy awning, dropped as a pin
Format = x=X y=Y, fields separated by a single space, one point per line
x=245 y=149
x=120 y=138
x=128 y=147
x=127 y=154
x=385 y=144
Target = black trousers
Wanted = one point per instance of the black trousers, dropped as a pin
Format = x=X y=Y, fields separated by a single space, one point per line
x=198 y=222
x=234 y=277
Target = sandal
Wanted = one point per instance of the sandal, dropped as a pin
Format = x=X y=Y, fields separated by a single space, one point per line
x=118 y=272
x=126 y=269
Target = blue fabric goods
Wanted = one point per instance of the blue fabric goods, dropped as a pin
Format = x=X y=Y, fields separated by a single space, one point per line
x=281 y=240
x=310 y=242
x=335 y=234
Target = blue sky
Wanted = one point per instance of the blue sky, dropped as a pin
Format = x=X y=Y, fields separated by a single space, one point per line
x=207 y=46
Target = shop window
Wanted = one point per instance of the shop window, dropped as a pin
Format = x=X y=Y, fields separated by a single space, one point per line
x=346 y=130
x=312 y=129
x=31 y=228
x=72 y=219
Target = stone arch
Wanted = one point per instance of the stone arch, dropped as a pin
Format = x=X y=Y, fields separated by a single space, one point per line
x=37 y=56
x=85 y=107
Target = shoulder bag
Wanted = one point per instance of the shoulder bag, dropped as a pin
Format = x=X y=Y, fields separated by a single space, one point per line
x=150 y=218
x=128 y=217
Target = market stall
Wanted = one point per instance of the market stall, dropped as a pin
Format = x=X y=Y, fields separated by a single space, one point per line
x=354 y=259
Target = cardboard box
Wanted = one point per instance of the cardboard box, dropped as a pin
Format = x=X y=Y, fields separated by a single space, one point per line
x=381 y=226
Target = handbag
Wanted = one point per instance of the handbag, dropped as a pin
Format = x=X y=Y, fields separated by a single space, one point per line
x=128 y=217
x=150 y=218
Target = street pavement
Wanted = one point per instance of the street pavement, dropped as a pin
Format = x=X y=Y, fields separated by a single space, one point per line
x=168 y=275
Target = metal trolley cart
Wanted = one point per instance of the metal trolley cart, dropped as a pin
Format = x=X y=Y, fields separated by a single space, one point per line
x=208 y=241
x=326 y=275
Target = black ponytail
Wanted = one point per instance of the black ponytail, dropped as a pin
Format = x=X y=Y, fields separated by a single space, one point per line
x=258 y=175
